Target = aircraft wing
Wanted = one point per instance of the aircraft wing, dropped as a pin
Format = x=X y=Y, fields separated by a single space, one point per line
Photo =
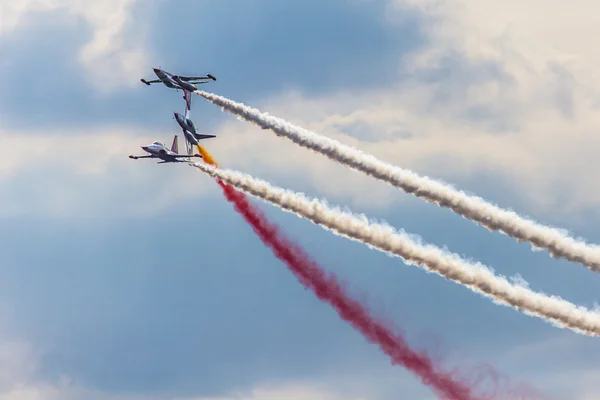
x=149 y=82
x=186 y=155
x=196 y=78
x=136 y=157
x=175 y=158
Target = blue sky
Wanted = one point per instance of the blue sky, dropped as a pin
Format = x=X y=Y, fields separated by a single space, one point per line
x=132 y=280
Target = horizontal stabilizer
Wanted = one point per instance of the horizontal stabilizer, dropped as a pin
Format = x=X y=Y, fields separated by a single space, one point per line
x=200 y=137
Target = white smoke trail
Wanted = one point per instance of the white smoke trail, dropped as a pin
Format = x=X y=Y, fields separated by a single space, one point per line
x=557 y=242
x=475 y=276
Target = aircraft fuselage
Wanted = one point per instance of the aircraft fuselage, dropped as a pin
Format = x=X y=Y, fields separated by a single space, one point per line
x=188 y=128
x=173 y=81
x=184 y=85
x=160 y=152
x=185 y=123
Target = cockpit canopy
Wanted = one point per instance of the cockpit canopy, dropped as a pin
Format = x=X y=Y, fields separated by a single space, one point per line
x=158 y=144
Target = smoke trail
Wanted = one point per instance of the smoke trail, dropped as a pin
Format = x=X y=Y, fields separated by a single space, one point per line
x=327 y=289
x=557 y=242
x=385 y=238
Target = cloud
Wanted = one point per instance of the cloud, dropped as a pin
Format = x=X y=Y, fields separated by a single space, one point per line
x=543 y=90
x=480 y=95
x=21 y=378
x=61 y=174
x=291 y=392
x=111 y=58
x=499 y=95
x=66 y=390
x=496 y=91
x=78 y=178
x=24 y=385
x=259 y=48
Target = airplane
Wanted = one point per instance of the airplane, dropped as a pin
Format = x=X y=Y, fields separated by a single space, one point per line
x=189 y=131
x=159 y=150
x=185 y=83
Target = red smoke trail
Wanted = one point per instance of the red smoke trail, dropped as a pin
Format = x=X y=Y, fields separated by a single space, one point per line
x=326 y=287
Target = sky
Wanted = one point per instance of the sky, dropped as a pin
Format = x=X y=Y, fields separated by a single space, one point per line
x=127 y=280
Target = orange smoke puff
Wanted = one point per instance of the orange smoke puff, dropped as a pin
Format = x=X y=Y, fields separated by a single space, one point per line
x=206 y=156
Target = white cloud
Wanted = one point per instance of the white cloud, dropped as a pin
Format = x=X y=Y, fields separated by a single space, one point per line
x=500 y=88
x=30 y=388
x=21 y=378
x=63 y=175
x=90 y=177
x=109 y=55
x=519 y=100
x=529 y=70
x=546 y=88
x=289 y=392
x=561 y=365
x=65 y=390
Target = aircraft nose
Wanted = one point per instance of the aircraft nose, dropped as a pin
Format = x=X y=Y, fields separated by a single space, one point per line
x=156 y=69
x=145 y=148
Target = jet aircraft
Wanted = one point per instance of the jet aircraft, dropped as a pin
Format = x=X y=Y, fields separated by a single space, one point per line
x=185 y=83
x=189 y=131
x=159 y=150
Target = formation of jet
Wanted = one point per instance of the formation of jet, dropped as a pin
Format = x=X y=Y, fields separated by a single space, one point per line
x=191 y=135
x=159 y=150
x=185 y=83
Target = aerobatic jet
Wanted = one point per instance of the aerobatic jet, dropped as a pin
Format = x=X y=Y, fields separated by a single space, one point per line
x=189 y=131
x=159 y=150
x=185 y=83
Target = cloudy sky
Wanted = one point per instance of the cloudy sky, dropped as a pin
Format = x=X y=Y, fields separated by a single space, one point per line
x=126 y=280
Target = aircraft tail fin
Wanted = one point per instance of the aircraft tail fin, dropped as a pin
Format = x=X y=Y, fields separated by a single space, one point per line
x=175 y=146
